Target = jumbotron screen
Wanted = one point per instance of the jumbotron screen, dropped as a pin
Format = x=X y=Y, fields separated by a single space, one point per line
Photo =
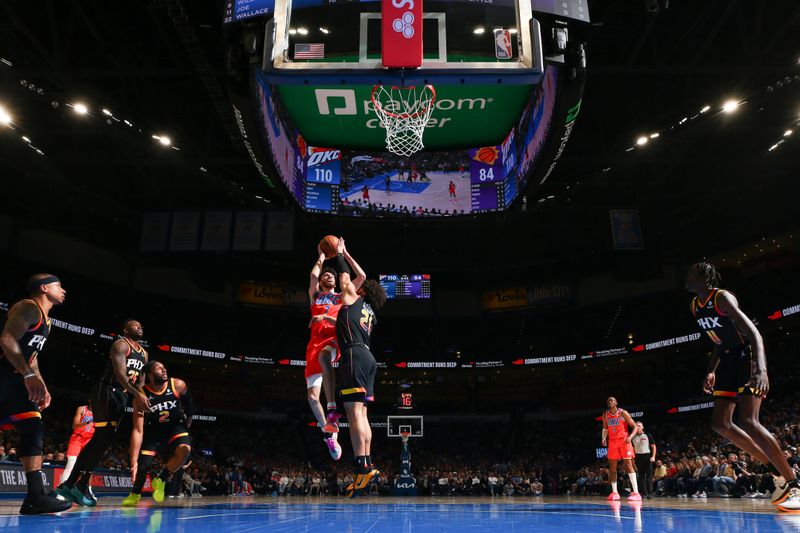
x=342 y=181
x=406 y=287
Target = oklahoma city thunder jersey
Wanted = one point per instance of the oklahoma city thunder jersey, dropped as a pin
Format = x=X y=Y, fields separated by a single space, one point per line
x=720 y=328
x=617 y=426
x=325 y=303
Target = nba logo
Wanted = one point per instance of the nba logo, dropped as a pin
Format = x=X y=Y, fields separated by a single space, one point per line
x=502 y=44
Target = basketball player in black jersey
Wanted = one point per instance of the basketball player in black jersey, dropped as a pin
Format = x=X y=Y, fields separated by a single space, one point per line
x=163 y=427
x=355 y=379
x=110 y=397
x=23 y=393
x=737 y=374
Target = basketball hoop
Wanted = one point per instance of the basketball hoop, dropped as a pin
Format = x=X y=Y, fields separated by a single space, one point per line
x=404 y=112
x=405 y=435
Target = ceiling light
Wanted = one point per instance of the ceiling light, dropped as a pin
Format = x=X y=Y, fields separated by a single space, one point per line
x=479 y=30
x=26 y=139
x=706 y=108
x=163 y=139
x=730 y=106
x=107 y=112
x=5 y=118
x=326 y=31
x=302 y=31
x=642 y=140
x=787 y=133
x=292 y=31
x=80 y=108
x=654 y=135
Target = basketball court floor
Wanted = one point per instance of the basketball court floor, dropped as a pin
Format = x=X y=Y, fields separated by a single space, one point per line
x=373 y=514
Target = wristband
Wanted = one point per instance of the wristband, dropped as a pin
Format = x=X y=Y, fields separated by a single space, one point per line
x=31 y=374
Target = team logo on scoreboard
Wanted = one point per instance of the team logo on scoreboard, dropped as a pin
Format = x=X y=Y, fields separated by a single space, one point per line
x=321 y=156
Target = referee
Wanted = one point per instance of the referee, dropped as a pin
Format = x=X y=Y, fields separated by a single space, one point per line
x=645 y=449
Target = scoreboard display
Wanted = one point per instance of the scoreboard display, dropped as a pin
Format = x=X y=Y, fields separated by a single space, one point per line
x=409 y=287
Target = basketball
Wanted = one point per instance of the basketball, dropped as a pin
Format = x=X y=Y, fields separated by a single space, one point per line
x=328 y=246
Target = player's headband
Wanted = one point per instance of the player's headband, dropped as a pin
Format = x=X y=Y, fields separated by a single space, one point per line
x=34 y=285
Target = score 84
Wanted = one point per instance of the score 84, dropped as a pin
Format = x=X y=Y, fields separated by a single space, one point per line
x=486 y=174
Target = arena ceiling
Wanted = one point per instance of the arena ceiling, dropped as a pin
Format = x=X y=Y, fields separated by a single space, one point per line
x=702 y=186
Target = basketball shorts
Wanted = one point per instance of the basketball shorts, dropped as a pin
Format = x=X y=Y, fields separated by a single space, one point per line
x=14 y=403
x=355 y=378
x=77 y=442
x=733 y=373
x=163 y=440
x=108 y=405
x=315 y=346
x=619 y=449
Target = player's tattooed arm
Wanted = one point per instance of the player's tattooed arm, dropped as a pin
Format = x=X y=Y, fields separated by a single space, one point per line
x=119 y=351
x=21 y=317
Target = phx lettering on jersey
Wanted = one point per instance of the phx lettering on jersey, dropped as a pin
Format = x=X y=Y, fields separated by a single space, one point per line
x=708 y=323
x=167 y=405
x=37 y=342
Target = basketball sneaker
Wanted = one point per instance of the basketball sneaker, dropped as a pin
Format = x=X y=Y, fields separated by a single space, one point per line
x=332 y=425
x=613 y=497
x=791 y=504
x=43 y=504
x=158 y=489
x=361 y=483
x=782 y=488
x=131 y=500
x=334 y=448
x=635 y=497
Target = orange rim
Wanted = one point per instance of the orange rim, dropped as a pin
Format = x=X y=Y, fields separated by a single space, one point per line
x=379 y=107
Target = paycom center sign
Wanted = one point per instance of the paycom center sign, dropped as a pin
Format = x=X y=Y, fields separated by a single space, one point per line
x=339 y=116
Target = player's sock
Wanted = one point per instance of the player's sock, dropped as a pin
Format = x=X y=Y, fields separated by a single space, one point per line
x=71 y=460
x=369 y=462
x=331 y=406
x=35 y=484
x=613 y=486
x=83 y=480
x=634 y=482
x=362 y=464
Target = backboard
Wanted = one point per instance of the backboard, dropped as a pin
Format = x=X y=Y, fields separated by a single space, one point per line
x=458 y=38
x=395 y=425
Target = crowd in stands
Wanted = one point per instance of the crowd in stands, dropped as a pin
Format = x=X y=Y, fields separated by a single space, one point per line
x=454 y=459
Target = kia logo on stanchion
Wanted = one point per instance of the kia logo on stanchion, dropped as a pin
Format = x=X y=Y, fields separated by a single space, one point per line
x=405 y=25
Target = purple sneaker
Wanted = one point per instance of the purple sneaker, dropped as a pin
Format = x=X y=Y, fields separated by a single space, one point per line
x=334 y=448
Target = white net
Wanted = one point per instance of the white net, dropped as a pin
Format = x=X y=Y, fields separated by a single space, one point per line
x=404 y=112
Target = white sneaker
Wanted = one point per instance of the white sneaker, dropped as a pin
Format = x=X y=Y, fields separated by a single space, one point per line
x=695 y=495
x=703 y=495
x=781 y=489
x=792 y=502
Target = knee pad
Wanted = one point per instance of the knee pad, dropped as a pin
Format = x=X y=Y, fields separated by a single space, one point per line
x=31 y=437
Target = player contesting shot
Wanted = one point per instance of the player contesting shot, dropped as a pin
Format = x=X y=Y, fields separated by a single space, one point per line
x=737 y=375
x=361 y=298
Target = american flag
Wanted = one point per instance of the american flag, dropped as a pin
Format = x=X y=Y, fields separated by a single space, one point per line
x=309 y=51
